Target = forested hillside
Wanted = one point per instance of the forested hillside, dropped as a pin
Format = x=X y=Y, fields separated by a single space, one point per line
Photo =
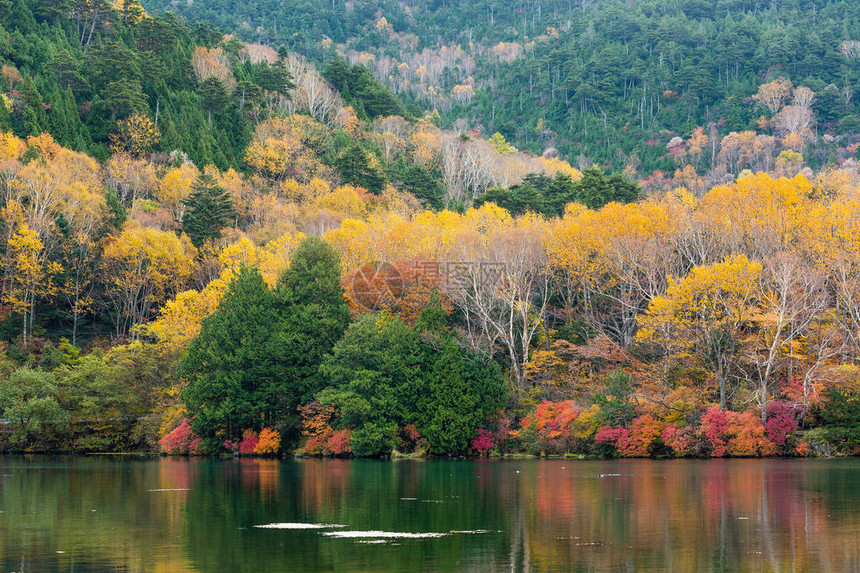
x=619 y=83
x=75 y=69
x=212 y=245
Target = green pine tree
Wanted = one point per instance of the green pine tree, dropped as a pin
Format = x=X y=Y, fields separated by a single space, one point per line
x=231 y=368
x=258 y=356
x=210 y=209
x=318 y=314
x=355 y=167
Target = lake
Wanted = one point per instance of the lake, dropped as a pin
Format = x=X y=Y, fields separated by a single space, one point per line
x=93 y=514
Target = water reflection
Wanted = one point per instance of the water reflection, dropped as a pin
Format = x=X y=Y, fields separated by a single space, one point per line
x=92 y=515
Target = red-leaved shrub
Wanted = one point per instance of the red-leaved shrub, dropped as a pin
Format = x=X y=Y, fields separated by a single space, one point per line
x=339 y=443
x=713 y=429
x=734 y=433
x=615 y=438
x=322 y=438
x=248 y=443
x=681 y=440
x=181 y=441
x=643 y=436
x=482 y=442
x=329 y=443
x=747 y=436
x=316 y=445
x=549 y=427
x=781 y=422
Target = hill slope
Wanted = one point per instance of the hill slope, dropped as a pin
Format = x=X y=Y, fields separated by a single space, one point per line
x=610 y=82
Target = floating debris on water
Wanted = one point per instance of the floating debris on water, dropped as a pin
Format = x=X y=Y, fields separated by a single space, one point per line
x=469 y=531
x=299 y=526
x=382 y=535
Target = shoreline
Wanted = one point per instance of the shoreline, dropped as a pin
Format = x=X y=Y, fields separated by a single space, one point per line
x=414 y=458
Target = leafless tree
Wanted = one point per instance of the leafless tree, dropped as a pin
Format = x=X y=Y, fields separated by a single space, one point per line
x=502 y=288
x=791 y=297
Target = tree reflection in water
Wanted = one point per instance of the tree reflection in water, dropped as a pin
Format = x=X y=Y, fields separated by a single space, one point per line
x=107 y=514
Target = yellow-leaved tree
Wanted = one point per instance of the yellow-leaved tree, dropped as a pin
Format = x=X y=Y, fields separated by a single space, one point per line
x=180 y=319
x=612 y=262
x=136 y=135
x=30 y=275
x=143 y=268
x=701 y=316
x=175 y=187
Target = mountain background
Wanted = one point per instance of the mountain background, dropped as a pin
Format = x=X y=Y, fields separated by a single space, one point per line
x=610 y=82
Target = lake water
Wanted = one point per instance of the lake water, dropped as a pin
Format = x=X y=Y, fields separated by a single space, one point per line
x=90 y=514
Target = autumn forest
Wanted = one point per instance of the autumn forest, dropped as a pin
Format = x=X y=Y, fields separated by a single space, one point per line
x=219 y=238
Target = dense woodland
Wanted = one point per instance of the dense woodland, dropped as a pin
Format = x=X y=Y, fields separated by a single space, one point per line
x=621 y=83
x=211 y=244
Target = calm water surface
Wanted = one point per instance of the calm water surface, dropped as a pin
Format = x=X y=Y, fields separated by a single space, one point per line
x=174 y=515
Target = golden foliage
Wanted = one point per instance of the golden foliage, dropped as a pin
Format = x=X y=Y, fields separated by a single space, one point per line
x=174 y=187
x=709 y=299
x=213 y=63
x=11 y=147
x=554 y=165
x=136 y=135
x=145 y=267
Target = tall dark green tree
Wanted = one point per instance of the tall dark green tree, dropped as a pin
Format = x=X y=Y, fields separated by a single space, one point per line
x=459 y=391
x=65 y=69
x=424 y=183
x=384 y=375
x=540 y=193
x=355 y=166
x=458 y=395
x=215 y=96
x=258 y=356
x=371 y=377
x=317 y=313
x=273 y=78
x=232 y=367
x=362 y=90
x=517 y=200
x=210 y=209
x=595 y=189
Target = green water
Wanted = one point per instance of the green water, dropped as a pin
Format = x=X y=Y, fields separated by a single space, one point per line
x=101 y=514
